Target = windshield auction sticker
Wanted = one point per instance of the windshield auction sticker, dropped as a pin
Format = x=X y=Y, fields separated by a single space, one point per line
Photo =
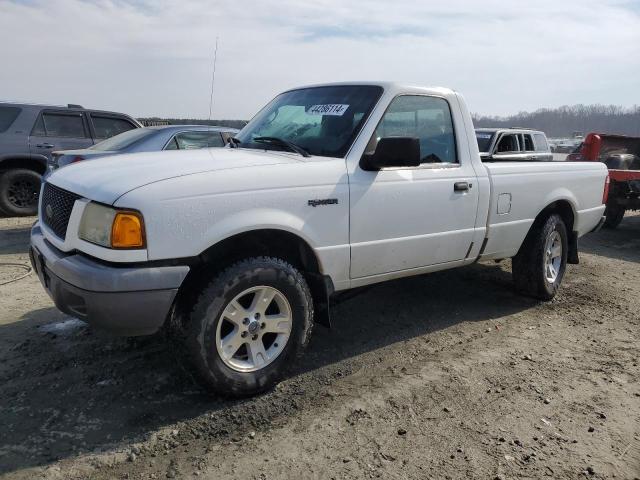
x=336 y=109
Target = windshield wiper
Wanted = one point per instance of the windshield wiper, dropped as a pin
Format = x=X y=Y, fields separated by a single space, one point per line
x=285 y=143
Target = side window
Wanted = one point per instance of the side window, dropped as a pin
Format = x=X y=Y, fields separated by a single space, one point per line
x=68 y=125
x=172 y=145
x=7 y=117
x=38 y=128
x=215 y=140
x=423 y=117
x=508 y=143
x=528 y=143
x=107 y=127
x=541 y=142
x=195 y=140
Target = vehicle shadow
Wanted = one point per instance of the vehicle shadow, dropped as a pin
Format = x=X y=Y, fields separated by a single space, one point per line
x=622 y=243
x=68 y=389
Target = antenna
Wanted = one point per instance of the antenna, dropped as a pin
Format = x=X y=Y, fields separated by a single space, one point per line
x=213 y=79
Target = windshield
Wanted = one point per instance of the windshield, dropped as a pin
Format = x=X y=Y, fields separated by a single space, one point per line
x=484 y=140
x=323 y=121
x=122 y=141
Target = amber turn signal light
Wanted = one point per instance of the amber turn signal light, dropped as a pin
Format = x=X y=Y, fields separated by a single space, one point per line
x=127 y=230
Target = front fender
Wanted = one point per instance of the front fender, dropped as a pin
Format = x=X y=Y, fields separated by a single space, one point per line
x=257 y=219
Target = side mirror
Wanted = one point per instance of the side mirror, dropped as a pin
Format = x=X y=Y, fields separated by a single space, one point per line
x=393 y=152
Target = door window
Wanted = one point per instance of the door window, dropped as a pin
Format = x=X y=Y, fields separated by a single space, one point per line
x=107 y=127
x=508 y=143
x=528 y=143
x=195 y=140
x=423 y=117
x=67 y=125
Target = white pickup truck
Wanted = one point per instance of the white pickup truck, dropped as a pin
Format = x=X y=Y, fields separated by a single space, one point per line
x=328 y=188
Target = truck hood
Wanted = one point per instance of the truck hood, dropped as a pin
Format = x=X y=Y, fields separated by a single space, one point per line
x=107 y=179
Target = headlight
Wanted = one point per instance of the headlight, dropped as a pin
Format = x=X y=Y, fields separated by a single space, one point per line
x=111 y=228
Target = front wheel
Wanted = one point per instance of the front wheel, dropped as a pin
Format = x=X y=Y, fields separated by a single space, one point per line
x=540 y=264
x=249 y=325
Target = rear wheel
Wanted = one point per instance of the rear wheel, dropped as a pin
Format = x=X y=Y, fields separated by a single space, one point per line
x=613 y=215
x=19 y=191
x=540 y=264
x=249 y=325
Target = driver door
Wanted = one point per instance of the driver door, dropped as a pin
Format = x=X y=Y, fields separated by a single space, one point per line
x=411 y=217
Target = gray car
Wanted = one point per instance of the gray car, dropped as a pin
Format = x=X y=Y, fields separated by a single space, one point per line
x=149 y=139
x=28 y=135
x=513 y=145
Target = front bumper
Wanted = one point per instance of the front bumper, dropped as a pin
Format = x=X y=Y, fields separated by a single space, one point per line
x=123 y=300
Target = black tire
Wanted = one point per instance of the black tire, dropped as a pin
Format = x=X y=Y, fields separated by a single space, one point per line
x=613 y=215
x=528 y=266
x=214 y=297
x=19 y=191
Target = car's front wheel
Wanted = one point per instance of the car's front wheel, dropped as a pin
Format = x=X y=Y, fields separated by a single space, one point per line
x=249 y=325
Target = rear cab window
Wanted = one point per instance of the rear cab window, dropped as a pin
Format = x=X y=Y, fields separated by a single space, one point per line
x=541 y=143
x=8 y=115
x=60 y=124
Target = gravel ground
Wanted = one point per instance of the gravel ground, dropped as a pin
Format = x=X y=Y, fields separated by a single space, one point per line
x=449 y=375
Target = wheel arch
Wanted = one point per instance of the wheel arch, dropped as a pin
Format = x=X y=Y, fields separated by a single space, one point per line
x=564 y=207
x=23 y=161
x=272 y=242
x=263 y=241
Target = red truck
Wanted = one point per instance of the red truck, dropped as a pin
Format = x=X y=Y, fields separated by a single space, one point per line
x=621 y=155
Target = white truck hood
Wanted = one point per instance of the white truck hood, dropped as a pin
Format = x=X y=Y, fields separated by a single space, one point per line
x=107 y=179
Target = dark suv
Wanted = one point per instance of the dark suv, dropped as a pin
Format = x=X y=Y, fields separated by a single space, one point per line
x=28 y=135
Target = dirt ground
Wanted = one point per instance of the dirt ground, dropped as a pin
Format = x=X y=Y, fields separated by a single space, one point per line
x=449 y=375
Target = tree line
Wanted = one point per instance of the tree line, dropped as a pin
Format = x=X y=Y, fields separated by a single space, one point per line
x=555 y=122
x=566 y=120
x=149 y=121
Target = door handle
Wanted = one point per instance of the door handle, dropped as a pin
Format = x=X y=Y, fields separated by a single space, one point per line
x=44 y=145
x=461 y=186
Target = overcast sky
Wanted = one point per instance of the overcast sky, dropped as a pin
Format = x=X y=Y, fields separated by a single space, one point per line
x=154 y=57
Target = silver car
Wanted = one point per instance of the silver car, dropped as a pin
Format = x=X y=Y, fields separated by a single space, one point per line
x=149 y=139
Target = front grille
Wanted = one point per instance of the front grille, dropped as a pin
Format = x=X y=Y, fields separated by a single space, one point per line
x=56 y=205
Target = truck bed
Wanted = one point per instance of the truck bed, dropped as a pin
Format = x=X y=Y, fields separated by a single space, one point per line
x=520 y=190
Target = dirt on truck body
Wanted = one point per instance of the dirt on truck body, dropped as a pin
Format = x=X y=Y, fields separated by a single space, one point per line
x=457 y=377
